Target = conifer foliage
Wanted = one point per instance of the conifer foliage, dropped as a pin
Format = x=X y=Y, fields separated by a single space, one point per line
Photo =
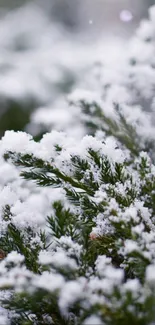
x=77 y=235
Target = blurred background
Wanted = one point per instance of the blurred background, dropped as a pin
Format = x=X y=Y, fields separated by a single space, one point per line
x=77 y=13
x=45 y=48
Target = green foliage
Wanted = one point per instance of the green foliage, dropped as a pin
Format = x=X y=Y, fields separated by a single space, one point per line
x=12 y=239
x=62 y=222
x=15 y=115
x=81 y=185
x=95 y=119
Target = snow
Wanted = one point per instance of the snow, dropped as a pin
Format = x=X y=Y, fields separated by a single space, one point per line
x=15 y=141
x=93 y=320
x=3 y=319
x=126 y=16
x=59 y=260
x=132 y=285
x=150 y=274
x=7 y=197
x=50 y=282
x=14 y=258
x=101 y=263
x=122 y=205
x=130 y=246
x=152 y=13
x=71 y=292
